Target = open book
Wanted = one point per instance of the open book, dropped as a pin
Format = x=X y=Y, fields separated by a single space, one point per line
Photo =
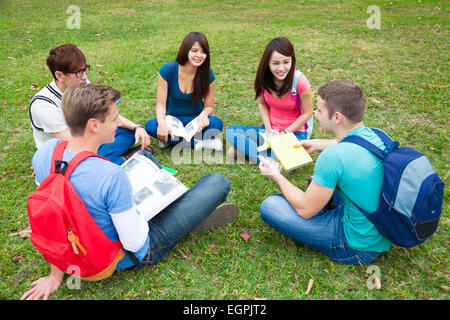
x=186 y=132
x=289 y=156
x=154 y=188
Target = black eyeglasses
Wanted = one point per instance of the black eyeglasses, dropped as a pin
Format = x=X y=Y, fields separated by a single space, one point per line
x=79 y=73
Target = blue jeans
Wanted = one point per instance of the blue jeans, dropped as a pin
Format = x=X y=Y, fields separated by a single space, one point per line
x=246 y=139
x=177 y=220
x=113 y=151
x=323 y=232
x=214 y=128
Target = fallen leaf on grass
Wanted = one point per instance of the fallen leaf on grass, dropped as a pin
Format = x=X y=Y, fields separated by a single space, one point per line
x=245 y=235
x=310 y=285
x=213 y=246
x=23 y=234
x=34 y=87
x=375 y=100
x=351 y=288
x=18 y=258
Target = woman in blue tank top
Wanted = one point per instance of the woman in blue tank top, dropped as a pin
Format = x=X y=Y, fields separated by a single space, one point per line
x=186 y=91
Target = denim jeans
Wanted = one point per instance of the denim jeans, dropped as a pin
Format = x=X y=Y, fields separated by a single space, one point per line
x=177 y=220
x=323 y=232
x=214 y=128
x=246 y=139
x=113 y=151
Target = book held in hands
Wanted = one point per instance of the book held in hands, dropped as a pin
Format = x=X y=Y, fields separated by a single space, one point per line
x=185 y=132
x=154 y=188
x=283 y=147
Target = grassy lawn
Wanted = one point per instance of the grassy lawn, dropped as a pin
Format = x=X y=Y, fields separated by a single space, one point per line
x=403 y=69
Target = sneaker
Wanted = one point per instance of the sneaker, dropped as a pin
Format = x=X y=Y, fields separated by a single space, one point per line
x=127 y=155
x=162 y=144
x=213 y=144
x=221 y=216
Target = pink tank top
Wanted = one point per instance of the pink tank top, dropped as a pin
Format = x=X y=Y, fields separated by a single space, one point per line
x=283 y=112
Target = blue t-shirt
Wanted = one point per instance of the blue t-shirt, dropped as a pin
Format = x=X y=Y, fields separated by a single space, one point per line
x=103 y=187
x=179 y=103
x=356 y=174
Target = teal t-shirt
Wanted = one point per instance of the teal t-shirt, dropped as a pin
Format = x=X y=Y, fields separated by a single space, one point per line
x=179 y=103
x=356 y=174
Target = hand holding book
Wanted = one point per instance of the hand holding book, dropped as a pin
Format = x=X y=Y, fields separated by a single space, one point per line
x=269 y=167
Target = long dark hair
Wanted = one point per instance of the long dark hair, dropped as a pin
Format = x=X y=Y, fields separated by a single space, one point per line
x=201 y=79
x=264 y=77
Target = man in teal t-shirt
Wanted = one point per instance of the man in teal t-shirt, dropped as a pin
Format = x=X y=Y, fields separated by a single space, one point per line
x=345 y=173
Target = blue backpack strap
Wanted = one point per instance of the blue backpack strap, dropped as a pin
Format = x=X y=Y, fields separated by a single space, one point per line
x=297 y=75
x=390 y=144
x=366 y=144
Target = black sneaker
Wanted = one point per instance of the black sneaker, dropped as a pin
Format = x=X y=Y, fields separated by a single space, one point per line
x=221 y=216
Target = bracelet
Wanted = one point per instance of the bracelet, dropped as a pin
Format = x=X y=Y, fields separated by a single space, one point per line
x=138 y=126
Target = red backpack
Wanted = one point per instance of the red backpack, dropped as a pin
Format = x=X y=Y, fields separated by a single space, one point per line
x=62 y=229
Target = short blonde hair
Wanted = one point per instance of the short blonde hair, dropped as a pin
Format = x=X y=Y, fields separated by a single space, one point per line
x=81 y=103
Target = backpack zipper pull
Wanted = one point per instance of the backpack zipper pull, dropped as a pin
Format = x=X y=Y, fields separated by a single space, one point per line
x=71 y=238
x=75 y=241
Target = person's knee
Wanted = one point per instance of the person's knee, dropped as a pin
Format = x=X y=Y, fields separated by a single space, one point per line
x=215 y=123
x=216 y=181
x=269 y=206
x=151 y=126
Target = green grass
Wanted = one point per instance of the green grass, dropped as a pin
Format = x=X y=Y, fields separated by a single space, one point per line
x=403 y=69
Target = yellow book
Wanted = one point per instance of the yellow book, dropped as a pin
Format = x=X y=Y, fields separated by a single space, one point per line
x=290 y=157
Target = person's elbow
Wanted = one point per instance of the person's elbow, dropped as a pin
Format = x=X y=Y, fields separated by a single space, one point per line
x=305 y=212
x=132 y=245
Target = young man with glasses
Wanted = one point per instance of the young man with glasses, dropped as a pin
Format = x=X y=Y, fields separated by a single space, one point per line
x=68 y=67
x=92 y=116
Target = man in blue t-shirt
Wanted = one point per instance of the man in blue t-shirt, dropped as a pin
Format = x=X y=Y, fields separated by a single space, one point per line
x=344 y=172
x=93 y=118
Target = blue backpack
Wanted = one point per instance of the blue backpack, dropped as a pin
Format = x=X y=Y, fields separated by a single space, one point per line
x=411 y=195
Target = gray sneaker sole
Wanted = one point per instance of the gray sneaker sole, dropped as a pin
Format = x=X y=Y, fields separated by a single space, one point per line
x=221 y=216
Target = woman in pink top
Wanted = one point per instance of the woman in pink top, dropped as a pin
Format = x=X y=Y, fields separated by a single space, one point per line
x=281 y=111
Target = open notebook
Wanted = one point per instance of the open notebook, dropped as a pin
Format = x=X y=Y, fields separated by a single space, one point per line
x=154 y=188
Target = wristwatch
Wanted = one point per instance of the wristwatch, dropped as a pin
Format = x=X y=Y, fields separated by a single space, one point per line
x=138 y=126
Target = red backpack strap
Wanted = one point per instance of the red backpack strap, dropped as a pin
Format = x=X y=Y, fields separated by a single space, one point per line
x=67 y=170
x=57 y=155
x=77 y=159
